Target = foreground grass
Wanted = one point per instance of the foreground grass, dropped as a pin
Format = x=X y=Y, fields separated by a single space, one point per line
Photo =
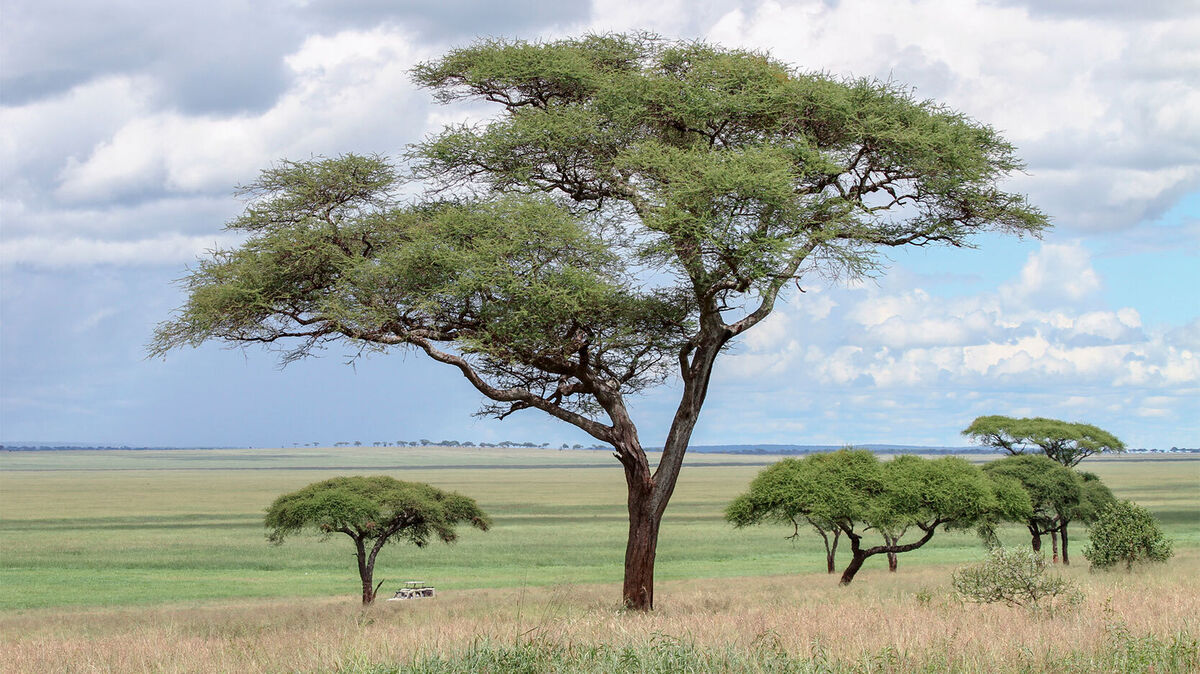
x=125 y=528
x=907 y=621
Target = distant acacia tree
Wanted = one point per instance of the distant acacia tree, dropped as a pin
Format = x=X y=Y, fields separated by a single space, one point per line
x=857 y=493
x=634 y=206
x=1065 y=442
x=373 y=511
x=1058 y=496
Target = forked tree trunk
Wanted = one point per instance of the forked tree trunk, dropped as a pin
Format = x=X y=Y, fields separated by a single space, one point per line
x=892 y=547
x=1054 y=546
x=1066 y=559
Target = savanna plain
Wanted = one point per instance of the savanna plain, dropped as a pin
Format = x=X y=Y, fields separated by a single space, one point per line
x=157 y=561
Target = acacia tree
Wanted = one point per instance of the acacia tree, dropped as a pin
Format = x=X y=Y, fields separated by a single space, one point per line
x=1052 y=489
x=373 y=511
x=858 y=494
x=1063 y=441
x=1058 y=496
x=635 y=204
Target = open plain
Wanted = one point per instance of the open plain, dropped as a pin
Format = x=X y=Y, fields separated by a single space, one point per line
x=157 y=561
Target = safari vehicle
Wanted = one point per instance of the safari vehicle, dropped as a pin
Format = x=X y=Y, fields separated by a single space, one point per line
x=414 y=589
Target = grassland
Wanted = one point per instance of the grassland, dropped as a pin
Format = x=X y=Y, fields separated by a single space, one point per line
x=105 y=554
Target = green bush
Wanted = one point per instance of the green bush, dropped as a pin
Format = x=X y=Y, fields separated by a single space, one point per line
x=1126 y=532
x=1017 y=577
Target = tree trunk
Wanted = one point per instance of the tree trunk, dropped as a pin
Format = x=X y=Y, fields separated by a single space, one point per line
x=891 y=547
x=640 y=549
x=366 y=571
x=1037 y=539
x=831 y=552
x=1054 y=546
x=856 y=562
x=1066 y=560
x=891 y=555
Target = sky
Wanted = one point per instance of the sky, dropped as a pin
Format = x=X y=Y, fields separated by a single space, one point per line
x=125 y=127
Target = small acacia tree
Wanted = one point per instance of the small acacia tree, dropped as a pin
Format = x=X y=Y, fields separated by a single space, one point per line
x=1125 y=532
x=854 y=491
x=1063 y=441
x=373 y=511
x=635 y=205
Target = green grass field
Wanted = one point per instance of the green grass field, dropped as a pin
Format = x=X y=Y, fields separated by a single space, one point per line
x=115 y=528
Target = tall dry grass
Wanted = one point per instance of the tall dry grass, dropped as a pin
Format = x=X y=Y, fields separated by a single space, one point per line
x=911 y=616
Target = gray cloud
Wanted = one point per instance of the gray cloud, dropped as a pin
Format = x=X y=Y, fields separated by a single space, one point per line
x=226 y=55
x=1144 y=10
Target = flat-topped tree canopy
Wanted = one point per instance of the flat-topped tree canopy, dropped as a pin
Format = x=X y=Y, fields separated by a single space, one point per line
x=1063 y=441
x=857 y=493
x=634 y=205
x=373 y=511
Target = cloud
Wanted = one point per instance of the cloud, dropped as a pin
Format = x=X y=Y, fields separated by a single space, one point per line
x=1099 y=106
x=168 y=249
x=1045 y=329
x=1056 y=274
x=151 y=174
x=341 y=85
x=222 y=56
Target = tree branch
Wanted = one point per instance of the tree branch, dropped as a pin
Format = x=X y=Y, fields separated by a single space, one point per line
x=514 y=395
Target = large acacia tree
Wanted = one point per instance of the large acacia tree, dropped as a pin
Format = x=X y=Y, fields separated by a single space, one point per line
x=634 y=205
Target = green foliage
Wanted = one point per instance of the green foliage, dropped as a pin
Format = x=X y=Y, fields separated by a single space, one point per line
x=854 y=486
x=1065 y=442
x=1017 y=577
x=855 y=492
x=1052 y=488
x=373 y=508
x=1125 y=532
x=1095 y=497
x=615 y=158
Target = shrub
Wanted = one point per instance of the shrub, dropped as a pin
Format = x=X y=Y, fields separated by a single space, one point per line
x=1017 y=577
x=1126 y=532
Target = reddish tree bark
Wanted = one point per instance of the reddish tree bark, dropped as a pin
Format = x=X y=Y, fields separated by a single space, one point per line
x=860 y=555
